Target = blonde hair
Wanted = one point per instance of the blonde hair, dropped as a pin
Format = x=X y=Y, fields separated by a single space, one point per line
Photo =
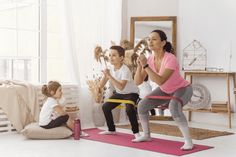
x=51 y=86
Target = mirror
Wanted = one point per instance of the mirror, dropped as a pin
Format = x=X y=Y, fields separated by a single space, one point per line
x=140 y=28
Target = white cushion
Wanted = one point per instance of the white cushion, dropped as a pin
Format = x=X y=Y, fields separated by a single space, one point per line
x=34 y=131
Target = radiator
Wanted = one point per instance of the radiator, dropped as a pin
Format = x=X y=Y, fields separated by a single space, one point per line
x=70 y=92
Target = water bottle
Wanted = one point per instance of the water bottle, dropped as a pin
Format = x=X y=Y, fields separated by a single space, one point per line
x=77 y=129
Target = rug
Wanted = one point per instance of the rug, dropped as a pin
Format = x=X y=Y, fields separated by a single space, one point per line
x=156 y=145
x=166 y=129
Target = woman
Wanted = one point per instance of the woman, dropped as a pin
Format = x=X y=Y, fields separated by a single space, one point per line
x=163 y=69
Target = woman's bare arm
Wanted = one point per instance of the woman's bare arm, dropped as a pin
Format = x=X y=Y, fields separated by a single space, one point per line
x=159 y=79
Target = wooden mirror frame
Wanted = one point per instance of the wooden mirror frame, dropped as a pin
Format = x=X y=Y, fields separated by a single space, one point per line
x=155 y=18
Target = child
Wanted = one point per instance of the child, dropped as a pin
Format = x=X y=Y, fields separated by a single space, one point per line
x=120 y=78
x=52 y=114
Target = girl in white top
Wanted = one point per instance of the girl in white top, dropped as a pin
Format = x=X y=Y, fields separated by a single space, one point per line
x=52 y=114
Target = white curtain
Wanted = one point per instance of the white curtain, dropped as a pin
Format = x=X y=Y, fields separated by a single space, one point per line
x=87 y=24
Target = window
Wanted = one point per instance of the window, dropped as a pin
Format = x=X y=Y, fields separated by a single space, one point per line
x=26 y=51
x=19 y=39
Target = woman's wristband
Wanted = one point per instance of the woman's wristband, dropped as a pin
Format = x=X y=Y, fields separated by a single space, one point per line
x=145 y=66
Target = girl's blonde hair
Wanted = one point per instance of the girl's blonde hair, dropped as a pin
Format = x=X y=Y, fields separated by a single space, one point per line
x=51 y=86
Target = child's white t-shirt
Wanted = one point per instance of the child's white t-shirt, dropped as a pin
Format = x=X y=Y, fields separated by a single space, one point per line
x=124 y=74
x=47 y=111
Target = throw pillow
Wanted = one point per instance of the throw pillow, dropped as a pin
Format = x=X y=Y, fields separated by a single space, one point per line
x=34 y=131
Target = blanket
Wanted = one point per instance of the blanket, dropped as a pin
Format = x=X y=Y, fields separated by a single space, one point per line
x=19 y=100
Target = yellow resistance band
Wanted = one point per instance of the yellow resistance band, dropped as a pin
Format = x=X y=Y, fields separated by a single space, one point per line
x=130 y=102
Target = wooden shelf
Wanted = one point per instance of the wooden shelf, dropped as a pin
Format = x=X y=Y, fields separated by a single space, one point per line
x=214 y=110
x=217 y=106
x=198 y=110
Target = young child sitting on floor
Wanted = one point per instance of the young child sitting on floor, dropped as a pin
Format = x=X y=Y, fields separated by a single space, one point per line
x=52 y=113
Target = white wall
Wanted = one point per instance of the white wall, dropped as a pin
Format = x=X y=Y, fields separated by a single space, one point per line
x=213 y=23
x=147 y=8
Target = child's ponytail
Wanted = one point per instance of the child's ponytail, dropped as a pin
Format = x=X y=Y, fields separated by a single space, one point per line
x=45 y=90
x=51 y=87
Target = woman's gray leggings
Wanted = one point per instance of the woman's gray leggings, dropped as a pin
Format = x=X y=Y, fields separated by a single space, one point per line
x=146 y=104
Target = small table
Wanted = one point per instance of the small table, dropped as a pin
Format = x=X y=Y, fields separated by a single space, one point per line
x=220 y=107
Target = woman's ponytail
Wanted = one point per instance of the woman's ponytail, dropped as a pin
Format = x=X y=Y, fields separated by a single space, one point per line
x=168 y=47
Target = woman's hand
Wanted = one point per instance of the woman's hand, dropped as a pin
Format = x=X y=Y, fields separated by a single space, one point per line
x=140 y=72
x=142 y=60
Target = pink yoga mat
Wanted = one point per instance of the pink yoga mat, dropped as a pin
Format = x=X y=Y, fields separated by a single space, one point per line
x=156 y=145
